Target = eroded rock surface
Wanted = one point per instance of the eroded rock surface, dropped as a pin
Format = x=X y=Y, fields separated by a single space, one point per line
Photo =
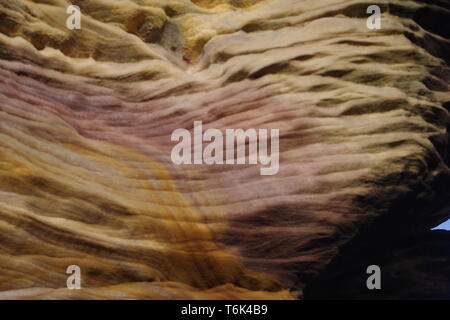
x=86 y=118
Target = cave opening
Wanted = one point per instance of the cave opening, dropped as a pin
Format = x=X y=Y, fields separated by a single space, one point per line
x=443 y=226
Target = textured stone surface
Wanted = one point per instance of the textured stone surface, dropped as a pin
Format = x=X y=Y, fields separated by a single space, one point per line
x=86 y=117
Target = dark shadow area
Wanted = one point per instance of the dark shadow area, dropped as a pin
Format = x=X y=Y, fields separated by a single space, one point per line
x=413 y=267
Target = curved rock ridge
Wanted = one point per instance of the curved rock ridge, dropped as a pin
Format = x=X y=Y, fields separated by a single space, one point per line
x=86 y=117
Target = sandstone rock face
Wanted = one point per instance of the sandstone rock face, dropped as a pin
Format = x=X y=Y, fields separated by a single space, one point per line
x=86 y=117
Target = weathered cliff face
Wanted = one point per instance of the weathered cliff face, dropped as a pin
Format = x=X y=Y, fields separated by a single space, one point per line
x=87 y=179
